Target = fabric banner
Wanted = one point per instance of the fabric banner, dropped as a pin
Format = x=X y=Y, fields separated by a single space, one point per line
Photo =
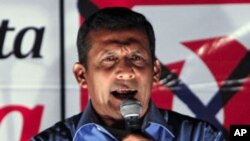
x=204 y=50
x=30 y=67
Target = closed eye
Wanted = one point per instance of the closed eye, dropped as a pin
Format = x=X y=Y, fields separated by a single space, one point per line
x=136 y=58
x=110 y=59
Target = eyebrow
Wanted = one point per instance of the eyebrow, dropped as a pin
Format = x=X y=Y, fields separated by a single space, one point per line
x=108 y=52
x=121 y=42
x=127 y=41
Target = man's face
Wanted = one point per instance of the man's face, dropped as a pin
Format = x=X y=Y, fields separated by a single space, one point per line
x=119 y=67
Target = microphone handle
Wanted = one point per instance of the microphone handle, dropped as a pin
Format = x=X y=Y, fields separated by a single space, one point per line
x=133 y=124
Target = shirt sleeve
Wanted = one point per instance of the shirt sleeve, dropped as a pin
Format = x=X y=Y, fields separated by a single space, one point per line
x=58 y=132
x=212 y=134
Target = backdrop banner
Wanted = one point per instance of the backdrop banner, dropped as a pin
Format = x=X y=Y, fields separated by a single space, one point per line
x=30 y=72
x=203 y=48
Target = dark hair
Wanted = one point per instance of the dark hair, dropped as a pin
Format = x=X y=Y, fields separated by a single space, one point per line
x=113 y=19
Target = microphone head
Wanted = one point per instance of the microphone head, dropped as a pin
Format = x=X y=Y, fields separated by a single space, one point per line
x=131 y=110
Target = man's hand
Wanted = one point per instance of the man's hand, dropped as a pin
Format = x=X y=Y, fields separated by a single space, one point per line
x=135 y=137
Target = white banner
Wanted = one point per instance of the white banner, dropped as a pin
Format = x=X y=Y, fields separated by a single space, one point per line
x=30 y=67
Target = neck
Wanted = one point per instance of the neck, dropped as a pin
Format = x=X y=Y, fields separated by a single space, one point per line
x=113 y=123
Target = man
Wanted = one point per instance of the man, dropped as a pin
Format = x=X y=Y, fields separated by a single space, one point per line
x=116 y=49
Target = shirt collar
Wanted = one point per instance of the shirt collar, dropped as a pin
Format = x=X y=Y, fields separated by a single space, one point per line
x=89 y=116
x=153 y=115
x=152 y=121
x=155 y=125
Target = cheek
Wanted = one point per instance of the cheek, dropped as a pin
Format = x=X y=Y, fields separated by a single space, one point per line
x=99 y=88
x=146 y=83
x=145 y=95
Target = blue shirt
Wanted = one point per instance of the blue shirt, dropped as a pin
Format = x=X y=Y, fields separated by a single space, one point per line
x=160 y=125
x=154 y=125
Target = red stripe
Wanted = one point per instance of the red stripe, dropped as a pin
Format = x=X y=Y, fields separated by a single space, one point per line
x=221 y=55
x=83 y=98
x=162 y=96
x=132 y=3
x=237 y=110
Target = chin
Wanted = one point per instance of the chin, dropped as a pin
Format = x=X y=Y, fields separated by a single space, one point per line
x=117 y=117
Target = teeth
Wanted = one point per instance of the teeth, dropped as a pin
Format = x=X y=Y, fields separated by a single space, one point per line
x=121 y=91
x=124 y=93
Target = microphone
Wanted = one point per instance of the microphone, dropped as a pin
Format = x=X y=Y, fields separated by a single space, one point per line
x=130 y=110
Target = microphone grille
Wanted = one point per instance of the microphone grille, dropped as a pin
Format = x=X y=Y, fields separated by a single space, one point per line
x=130 y=108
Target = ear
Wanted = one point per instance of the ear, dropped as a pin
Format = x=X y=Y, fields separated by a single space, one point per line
x=157 y=71
x=80 y=74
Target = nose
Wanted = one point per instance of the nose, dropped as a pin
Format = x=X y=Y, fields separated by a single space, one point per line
x=125 y=71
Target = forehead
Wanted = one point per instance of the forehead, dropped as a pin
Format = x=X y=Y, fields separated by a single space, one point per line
x=106 y=38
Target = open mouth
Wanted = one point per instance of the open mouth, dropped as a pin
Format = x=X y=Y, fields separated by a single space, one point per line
x=124 y=94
